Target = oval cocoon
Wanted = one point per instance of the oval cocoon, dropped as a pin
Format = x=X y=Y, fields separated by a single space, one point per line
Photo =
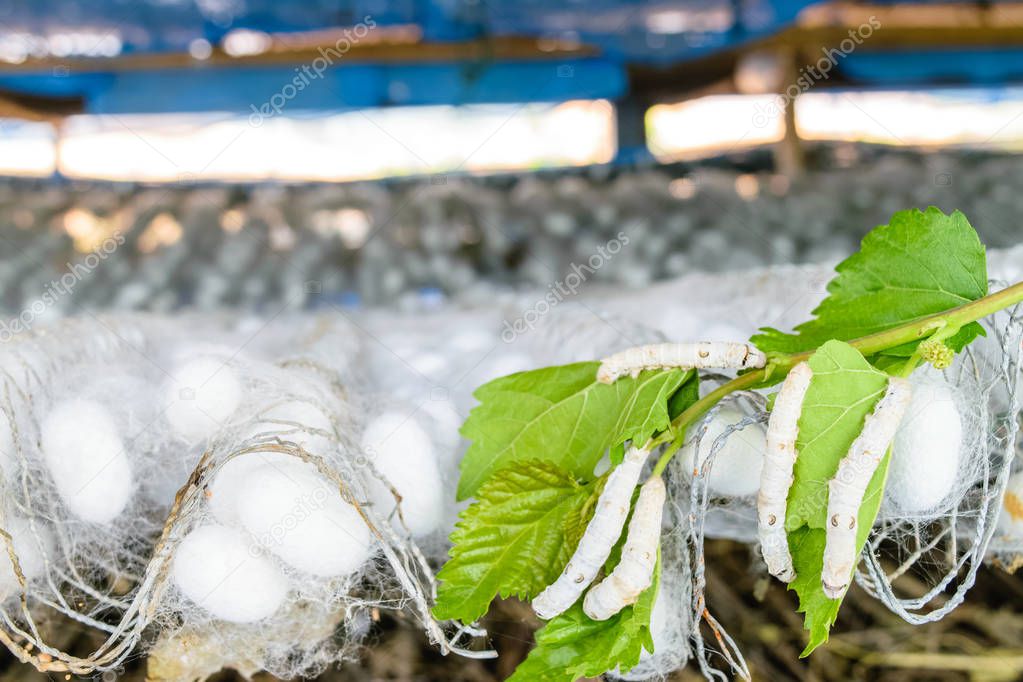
x=85 y=455
x=299 y=412
x=32 y=549
x=402 y=452
x=229 y=482
x=200 y=397
x=297 y=514
x=472 y=339
x=926 y=449
x=215 y=568
x=444 y=422
x=229 y=485
x=428 y=363
x=737 y=466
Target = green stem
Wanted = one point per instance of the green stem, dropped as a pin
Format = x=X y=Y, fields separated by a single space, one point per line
x=701 y=406
x=779 y=365
x=668 y=454
x=911 y=364
x=954 y=318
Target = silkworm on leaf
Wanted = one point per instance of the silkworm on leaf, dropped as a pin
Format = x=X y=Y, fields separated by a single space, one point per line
x=776 y=476
x=635 y=572
x=599 y=537
x=846 y=489
x=693 y=355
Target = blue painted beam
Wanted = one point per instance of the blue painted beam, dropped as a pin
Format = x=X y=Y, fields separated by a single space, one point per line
x=245 y=90
x=644 y=32
x=651 y=31
x=891 y=68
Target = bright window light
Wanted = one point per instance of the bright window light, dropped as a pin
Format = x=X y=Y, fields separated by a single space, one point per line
x=711 y=125
x=953 y=117
x=723 y=123
x=26 y=148
x=357 y=145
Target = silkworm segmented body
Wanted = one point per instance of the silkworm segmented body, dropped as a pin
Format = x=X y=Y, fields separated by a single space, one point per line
x=776 y=477
x=693 y=355
x=599 y=537
x=846 y=489
x=635 y=572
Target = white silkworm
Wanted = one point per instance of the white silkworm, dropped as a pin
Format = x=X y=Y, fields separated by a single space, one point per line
x=846 y=489
x=776 y=476
x=599 y=537
x=692 y=355
x=635 y=571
